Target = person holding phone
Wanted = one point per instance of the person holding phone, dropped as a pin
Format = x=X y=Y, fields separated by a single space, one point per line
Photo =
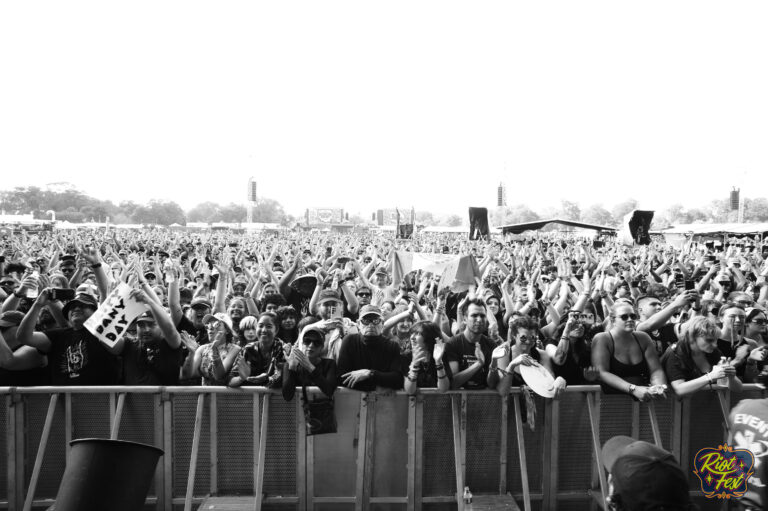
x=734 y=345
x=571 y=354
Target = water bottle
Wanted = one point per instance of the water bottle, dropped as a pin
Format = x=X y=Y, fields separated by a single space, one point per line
x=33 y=292
x=467 y=495
x=723 y=382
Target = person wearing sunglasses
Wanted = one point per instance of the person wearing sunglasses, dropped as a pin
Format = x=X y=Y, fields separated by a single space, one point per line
x=571 y=354
x=305 y=366
x=368 y=360
x=520 y=349
x=695 y=362
x=627 y=360
x=735 y=346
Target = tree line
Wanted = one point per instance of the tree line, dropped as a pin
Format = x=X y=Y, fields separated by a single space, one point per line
x=75 y=206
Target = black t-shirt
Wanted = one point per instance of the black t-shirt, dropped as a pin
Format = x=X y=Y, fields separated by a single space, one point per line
x=77 y=357
x=459 y=349
x=679 y=367
x=663 y=338
x=378 y=353
x=153 y=363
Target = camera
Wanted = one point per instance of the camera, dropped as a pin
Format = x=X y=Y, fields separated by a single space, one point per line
x=62 y=294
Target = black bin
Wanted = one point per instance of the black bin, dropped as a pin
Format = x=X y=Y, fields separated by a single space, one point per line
x=106 y=474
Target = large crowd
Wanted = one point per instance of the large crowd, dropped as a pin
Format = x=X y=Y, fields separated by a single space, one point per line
x=319 y=309
x=327 y=310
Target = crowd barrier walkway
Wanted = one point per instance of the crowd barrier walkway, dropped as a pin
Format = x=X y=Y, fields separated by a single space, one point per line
x=391 y=451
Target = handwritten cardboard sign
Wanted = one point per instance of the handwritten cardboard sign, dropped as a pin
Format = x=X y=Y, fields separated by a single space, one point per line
x=112 y=318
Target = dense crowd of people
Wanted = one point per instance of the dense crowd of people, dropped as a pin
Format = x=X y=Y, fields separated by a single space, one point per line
x=319 y=309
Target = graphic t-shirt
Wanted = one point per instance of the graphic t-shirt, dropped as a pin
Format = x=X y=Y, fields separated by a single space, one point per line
x=749 y=426
x=459 y=349
x=78 y=358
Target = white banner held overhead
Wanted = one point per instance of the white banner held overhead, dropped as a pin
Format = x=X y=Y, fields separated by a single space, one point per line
x=112 y=318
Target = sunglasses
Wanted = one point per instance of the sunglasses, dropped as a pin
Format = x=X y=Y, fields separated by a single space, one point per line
x=316 y=342
x=362 y=295
x=759 y=321
x=371 y=321
x=625 y=317
x=525 y=338
x=714 y=311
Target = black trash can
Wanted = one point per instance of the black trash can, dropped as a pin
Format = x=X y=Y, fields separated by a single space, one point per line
x=103 y=474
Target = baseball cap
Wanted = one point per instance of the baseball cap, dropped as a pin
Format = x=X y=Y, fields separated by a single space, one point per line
x=145 y=316
x=645 y=475
x=219 y=316
x=370 y=310
x=83 y=299
x=328 y=295
x=380 y=271
x=11 y=318
x=201 y=302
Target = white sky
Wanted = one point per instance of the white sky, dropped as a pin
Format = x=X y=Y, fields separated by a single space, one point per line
x=367 y=105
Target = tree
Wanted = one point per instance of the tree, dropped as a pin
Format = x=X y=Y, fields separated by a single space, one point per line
x=597 y=214
x=621 y=209
x=453 y=221
x=233 y=213
x=204 y=212
x=520 y=214
x=569 y=210
x=269 y=211
x=756 y=210
x=424 y=218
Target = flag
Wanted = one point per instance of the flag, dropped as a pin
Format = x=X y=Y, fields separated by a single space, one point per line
x=456 y=272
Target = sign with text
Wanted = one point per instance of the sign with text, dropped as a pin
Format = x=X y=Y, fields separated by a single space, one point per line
x=112 y=318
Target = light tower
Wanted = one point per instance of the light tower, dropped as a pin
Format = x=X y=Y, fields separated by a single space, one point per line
x=251 y=198
x=501 y=195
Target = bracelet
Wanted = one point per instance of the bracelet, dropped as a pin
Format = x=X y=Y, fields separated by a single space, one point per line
x=411 y=378
x=503 y=371
x=96 y=265
x=442 y=377
x=441 y=367
x=695 y=309
x=709 y=377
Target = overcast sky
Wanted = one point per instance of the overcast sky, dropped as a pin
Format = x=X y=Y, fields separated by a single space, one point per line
x=367 y=105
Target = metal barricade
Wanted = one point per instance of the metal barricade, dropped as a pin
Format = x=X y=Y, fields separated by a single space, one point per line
x=391 y=451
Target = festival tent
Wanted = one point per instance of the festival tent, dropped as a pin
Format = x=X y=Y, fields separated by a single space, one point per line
x=456 y=271
x=538 y=224
x=717 y=229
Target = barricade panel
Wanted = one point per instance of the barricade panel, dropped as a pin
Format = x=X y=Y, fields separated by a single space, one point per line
x=5 y=445
x=575 y=445
x=280 y=464
x=390 y=446
x=184 y=408
x=439 y=477
x=615 y=416
x=236 y=444
x=52 y=469
x=483 y=442
x=335 y=455
x=533 y=444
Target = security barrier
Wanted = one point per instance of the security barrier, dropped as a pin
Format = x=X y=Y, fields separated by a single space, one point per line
x=392 y=451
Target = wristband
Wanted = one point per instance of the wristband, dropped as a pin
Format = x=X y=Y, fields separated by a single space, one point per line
x=441 y=367
x=96 y=265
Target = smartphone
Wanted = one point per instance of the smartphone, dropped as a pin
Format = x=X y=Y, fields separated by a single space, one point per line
x=679 y=280
x=337 y=312
x=689 y=285
x=62 y=294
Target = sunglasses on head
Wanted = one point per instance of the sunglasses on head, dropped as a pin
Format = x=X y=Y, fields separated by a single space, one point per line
x=625 y=317
x=370 y=321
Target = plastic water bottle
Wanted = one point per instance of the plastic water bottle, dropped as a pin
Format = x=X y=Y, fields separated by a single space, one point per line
x=467 y=495
x=723 y=382
x=33 y=292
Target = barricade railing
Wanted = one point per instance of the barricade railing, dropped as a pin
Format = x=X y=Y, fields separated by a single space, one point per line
x=390 y=449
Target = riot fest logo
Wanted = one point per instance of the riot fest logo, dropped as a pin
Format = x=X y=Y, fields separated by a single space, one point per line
x=724 y=471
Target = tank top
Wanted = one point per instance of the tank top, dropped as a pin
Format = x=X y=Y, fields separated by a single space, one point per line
x=636 y=374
